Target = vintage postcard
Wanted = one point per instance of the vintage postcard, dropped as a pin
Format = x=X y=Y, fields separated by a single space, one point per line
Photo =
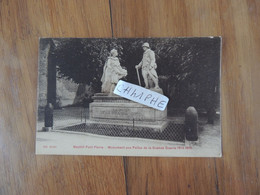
x=129 y=97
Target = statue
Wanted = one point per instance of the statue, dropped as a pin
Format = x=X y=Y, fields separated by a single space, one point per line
x=112 y=72
x=148 y=66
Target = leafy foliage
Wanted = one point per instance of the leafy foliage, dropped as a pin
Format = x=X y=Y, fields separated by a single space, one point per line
x=188 y=67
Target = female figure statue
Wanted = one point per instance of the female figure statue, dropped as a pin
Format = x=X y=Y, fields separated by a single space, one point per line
x=112 y=72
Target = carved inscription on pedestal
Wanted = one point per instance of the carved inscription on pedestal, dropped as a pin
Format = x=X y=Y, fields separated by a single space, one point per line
x=117 y=113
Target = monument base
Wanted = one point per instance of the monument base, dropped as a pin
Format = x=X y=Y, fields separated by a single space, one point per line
x=114 y=110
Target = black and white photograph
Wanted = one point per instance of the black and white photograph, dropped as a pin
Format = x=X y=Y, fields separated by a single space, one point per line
x=79 y=113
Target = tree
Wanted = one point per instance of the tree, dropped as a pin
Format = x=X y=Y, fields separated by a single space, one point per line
x=188 y=67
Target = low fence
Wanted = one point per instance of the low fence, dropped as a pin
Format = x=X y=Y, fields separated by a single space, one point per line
x=77 y=120
x=69 y=116
x=172 y=129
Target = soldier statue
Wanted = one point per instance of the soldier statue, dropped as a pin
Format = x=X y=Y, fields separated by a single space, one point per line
x=148 y=66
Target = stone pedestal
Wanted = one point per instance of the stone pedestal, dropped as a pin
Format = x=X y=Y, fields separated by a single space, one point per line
x=115 y=110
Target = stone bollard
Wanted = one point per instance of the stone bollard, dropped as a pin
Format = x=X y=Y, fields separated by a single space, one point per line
x=191 y=124
x=48 y=117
